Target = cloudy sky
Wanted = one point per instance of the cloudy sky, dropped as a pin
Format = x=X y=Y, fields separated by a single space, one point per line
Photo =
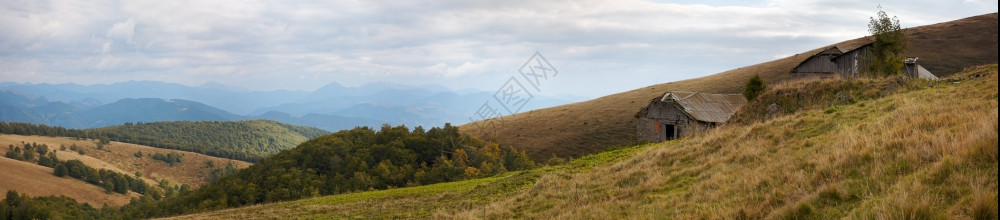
x=599 y=47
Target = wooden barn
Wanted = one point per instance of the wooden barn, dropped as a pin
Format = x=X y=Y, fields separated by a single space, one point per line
x=835 y=61
x=676 y=114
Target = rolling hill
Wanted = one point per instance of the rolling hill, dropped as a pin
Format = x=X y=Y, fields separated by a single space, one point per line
x=36 y=180
x=925 y=150
x=241 y=140
x=582 y=128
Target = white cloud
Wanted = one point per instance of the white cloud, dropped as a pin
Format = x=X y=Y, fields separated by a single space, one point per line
x=123 y=31
x=304 y=44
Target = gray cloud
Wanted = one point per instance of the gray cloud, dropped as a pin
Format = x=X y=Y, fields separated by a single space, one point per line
x=305 y=44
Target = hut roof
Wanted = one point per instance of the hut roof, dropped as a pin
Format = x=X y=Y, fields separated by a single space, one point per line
x=706 y=107
x=849 y=48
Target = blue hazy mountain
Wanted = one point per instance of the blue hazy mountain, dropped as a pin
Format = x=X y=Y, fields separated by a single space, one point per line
x=151 y=110
x=331 y=107
x=15 y=107
x=237 y=101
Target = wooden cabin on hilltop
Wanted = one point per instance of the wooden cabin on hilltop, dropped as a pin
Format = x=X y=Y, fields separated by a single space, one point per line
x=676 y=114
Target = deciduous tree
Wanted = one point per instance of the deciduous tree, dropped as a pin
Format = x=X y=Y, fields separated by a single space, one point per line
x=890 y=43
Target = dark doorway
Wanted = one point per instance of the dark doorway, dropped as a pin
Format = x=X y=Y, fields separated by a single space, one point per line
x=668 y=131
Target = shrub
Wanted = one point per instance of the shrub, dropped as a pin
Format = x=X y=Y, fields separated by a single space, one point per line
x=754 y=87
x=61 y=170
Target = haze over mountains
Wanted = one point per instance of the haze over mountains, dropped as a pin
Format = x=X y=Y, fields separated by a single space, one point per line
x=332 y=107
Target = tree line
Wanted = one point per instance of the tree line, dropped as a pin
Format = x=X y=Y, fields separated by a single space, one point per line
x=169 y=158
x=242 y=140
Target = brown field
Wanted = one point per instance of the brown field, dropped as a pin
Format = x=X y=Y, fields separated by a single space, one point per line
x=115 y=156
x=591 y=126
x=120 y=157
x=35 y=180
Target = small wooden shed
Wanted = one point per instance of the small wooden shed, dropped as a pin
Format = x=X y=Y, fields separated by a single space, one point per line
x=911 y=68
x=676 y=114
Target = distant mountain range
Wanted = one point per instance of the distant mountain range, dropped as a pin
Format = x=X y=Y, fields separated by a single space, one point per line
x=332 y=107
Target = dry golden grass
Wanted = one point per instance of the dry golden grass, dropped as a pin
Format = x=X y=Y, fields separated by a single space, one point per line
x=591 y=126
x=36 y=180
x=928 y=153
x=924 y=154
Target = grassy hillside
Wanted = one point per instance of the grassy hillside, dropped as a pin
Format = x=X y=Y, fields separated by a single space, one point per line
x=925 y=150
x=241 y=140
x=592 y=126
x=34 y=180
x=192 y=170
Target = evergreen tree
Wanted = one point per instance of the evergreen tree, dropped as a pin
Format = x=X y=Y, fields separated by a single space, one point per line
x=754 y=87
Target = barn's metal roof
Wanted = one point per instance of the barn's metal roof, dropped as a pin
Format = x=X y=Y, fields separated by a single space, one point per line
x=707 y=107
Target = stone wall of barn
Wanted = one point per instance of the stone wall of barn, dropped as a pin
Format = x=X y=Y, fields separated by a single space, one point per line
x=648 y=130
x=651 y=126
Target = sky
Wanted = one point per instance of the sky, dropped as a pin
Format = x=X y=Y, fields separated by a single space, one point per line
x=594 y=47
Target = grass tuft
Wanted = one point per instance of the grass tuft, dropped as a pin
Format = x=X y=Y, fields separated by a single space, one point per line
x=985 y=206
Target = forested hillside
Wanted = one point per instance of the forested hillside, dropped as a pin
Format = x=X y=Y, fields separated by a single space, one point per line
x=354 y=160
x=241 y=140
x=361 y=159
